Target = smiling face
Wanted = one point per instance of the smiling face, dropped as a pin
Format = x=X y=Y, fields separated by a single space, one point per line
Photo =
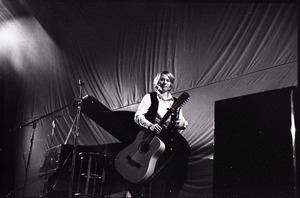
x=164 y=84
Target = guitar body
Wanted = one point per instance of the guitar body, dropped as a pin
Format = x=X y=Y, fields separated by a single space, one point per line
x=136 y=163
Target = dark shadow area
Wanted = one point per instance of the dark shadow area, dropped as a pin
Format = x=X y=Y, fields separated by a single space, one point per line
x=9 y=96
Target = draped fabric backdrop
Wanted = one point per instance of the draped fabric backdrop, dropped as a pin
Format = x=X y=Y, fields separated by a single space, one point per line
x=215 y=50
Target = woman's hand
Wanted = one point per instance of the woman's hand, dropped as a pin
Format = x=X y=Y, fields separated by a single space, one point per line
x=155 y=127
x=180 y=124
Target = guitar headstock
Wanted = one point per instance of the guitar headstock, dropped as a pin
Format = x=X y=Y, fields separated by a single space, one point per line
x=183 y=98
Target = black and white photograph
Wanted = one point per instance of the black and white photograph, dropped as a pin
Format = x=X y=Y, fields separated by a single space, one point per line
x=149 y=99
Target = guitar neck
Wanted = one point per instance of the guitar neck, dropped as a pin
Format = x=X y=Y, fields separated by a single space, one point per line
x=164 y=119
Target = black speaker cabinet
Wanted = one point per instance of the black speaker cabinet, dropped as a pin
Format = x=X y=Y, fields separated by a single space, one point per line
x=256 y=145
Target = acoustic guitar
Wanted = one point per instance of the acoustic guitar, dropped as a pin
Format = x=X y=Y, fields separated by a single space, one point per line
x=137 y=162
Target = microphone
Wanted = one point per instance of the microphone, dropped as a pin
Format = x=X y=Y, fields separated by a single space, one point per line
x=81 y=82
x=78 y=101
x=52 y=131
x=84 y=97
x=53 y=125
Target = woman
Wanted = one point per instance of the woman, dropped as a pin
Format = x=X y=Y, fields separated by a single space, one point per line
x=170 y=171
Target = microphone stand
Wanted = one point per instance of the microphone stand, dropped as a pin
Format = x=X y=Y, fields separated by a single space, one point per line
x=33 y=124
x=77 y=133
x=29 y=157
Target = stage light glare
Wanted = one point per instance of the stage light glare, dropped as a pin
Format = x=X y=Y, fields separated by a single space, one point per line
x=26 y=45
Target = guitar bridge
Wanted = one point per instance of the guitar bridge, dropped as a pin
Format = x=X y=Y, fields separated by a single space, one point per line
x=132 y=162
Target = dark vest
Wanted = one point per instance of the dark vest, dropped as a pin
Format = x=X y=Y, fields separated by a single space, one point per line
x=151 y=114
x=152 y=111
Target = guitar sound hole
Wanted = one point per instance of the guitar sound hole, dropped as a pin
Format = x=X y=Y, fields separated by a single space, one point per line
x=143 y=147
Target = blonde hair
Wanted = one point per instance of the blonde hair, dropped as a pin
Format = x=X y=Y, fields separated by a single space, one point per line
x=157 y=78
